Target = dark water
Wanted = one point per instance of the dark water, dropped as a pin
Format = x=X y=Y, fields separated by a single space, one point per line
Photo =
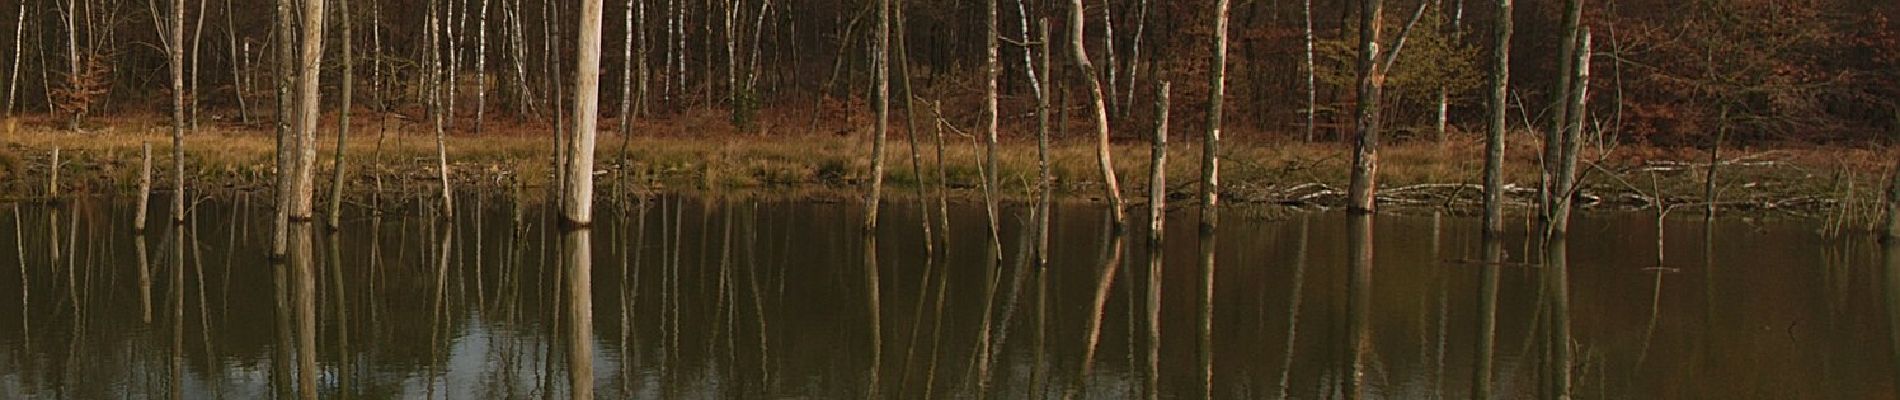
x=747 y=298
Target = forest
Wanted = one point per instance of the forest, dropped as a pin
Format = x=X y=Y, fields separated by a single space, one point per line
x=1669 y=72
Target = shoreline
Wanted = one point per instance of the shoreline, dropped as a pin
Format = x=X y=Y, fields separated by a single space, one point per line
x=1839 y=184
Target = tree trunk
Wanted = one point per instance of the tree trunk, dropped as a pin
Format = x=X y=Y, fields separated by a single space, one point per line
x=1566 y=186
x=434 y=77
x=52 y=180
x=286 y=143
x=13 y=76
x=1496 y=125
x=1134 y=52
x=578 y=207
x=1365 y=158
x=992 y=72
x=1210 y=144
x=197 y=35
x=1111 y=188
x=237 y=63
x=1158 y=166
x=309 y=109
x=343 y=117
x=145 y=187
x=481 y=67
x=881 y=83
x=1553 y=136
x=1312 y=87
x=626 y=85
x=1444 y=95
x=176 y=53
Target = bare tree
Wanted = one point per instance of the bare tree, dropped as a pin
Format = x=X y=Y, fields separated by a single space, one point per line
x=1158 y=165
x=1111 y=188
x=436 y=110
x=309 y=108
x=1365 y=162
x=992 y=71
x=1444 y=95
x=1565 y=189
x=286 y=142
x=578 y=206
x=881 y=83
x=1495 y=121
x=1373 y=67
x=13 y=76
x=481 y=66
x=343 y=116
x=1553 y=136
x=1210 y=144
x=176 y=51
x=1312 y=88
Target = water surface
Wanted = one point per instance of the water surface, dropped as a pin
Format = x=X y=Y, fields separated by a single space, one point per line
x=691 y=297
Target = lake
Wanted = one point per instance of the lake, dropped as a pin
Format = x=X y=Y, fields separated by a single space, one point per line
x=702 y=297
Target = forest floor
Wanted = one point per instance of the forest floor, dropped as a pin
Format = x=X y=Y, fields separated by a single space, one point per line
x=1839 y=184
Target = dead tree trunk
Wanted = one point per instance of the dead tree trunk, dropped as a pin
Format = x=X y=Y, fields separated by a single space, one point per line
x=1312 y=87
x=1572 y=137
x=881 y=83
x=286 y=142
x=13 y=76
x=436 y=111
x=1365 y=161
x=343 y=117
x=1553 y=136
x=1158 y=166
x=1110 y=187
x=578 y=206
x=1210 y=144
x=481 y=67
x=1495 y=121
x=176 y=53
x=992 y=71
x=145 y=187
x=197 y=35
x=309 y=109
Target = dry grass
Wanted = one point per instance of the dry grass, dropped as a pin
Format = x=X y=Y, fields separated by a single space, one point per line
x=695 y=152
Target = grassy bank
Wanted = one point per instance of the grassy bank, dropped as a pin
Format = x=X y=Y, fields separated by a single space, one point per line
x=1823 y=182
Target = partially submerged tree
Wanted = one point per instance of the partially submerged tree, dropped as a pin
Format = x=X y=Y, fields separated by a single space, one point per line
x=1079 y=53
x=1210 y=144
x=577 y=207
x=1495 y=122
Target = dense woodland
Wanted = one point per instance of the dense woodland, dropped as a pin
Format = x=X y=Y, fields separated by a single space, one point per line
x=1668 y=72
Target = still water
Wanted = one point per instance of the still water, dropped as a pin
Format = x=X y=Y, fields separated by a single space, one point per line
x=690 y=297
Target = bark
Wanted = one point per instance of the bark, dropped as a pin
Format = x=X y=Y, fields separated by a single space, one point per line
x=309 y=108
x=1134 y=51
x=13 y=76
x=1158 y=167
x=1312 y=87
x=176 y=53
x=197 y=34
x=1566 y=187
x=1553 y=140
x=434 y=76
x=1111 y=188
x=578 y=205
x=52 y=180
x=1498 y=94
x=1210 y=144
x=343 y=117
x=1365 y=161
x=481 y=67
x=626 y=84
x=881 y=83
x=145 y=187
x=286 y=144
x=992 y=71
